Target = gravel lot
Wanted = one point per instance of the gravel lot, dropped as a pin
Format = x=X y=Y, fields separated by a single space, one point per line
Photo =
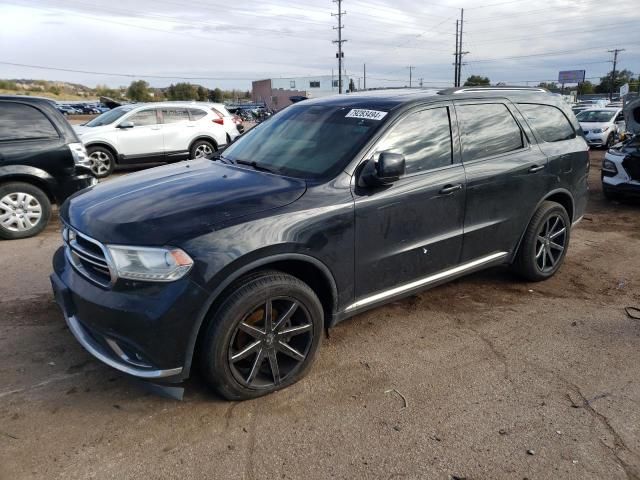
x=502 y=379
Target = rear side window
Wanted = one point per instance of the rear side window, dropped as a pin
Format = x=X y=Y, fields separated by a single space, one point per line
x=549 y=122
x=174 y=115
x=23 y=122
x=487 y=129
x=424 y=138
x=144 y=117
x=197 y=114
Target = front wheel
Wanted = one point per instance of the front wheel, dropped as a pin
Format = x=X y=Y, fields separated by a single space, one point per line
x=24 y=210
x=101 y=161
x=545 y=243
x=263 y=337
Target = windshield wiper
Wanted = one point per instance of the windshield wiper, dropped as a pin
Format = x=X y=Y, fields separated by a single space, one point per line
x=256 y=165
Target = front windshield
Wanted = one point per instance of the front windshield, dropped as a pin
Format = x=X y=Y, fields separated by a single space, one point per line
x=307 y=141
x=108 y=117
x=596 y=116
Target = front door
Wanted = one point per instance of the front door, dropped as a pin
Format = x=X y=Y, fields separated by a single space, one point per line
x=143 y=142
x=412 y=228
x=177 y=130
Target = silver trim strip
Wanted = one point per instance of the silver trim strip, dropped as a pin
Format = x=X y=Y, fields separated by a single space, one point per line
x=94 y=349
x=426 y=280
x=577 y=221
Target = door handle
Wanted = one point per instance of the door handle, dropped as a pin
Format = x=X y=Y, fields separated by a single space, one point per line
x=450 y=189
x=536 y=168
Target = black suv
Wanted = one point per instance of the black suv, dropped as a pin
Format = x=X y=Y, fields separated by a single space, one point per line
x=41 y=162
x=332 y=207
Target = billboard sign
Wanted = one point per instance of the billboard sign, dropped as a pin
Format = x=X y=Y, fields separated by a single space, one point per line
x=571 y=76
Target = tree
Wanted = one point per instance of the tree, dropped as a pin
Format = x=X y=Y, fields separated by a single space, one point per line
x=585 y=88
x=138 y=91
x=216 y=95
x=203 y=94
x=548 y=85
x=182 y=91
x=622 y=77
x=477 y=80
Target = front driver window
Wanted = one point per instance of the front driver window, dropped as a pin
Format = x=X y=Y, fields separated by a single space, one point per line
x=144 y=117
x=424 y=138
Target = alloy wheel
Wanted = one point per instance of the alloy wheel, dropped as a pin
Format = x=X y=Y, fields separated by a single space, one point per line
x=203 y=150
x=270 y=343
x=19 y=212
x=550 y=243
x=99 y=162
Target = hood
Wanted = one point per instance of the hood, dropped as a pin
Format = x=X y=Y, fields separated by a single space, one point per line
x=594 y=125
x=632 y=116
x=83 y=130
x=180 y=201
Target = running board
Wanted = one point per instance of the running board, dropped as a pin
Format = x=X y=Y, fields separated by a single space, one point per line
x=423 y=282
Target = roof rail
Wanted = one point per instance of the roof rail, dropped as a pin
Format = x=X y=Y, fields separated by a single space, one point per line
x=455 y=90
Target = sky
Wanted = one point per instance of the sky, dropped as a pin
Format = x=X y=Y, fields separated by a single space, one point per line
x=217 y=43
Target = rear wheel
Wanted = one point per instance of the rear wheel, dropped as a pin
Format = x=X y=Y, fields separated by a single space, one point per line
x=545 y=243
x=24 y=210
x=202 y=149
x=263 y=337
x=101 y=161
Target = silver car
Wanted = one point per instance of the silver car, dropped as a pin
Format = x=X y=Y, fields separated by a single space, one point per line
x=601 y=126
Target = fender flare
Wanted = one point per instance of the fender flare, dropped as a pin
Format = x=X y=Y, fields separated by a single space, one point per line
x=215 y=294
x=92 y=143
x=209 y=138
x=563 y=191
x=41 y=177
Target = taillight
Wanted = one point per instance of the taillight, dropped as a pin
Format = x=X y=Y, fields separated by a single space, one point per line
x=219 y=121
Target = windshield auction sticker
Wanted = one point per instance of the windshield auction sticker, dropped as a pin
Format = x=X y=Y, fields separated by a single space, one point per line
x=368 y=114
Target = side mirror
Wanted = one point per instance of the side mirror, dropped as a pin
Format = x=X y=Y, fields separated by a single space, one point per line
x=387 y=170
x=126 y=125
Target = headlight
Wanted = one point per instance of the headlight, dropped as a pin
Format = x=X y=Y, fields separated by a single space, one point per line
x=150 y=264
x=79 y=153
x=609 y=166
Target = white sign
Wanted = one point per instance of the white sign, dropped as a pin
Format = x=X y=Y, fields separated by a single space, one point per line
x=367 y=114
x=624 y=89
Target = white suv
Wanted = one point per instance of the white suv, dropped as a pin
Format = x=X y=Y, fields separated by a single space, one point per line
x=155 y=132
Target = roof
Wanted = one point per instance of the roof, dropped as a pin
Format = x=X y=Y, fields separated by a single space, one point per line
x=28 y=99
x=388 y=99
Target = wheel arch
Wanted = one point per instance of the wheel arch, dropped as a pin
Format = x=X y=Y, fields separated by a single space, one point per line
x=304 y=267
x=108 y=146
x=204 y=137
x=31 y=175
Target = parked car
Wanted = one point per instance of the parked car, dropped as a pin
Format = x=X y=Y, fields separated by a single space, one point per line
x=334 y=206
x=41 y=162
x=155 y=132
x=621 y=165
x=601 y=125
x=67 y=110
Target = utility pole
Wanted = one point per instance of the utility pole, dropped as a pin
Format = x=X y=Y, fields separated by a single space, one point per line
x=460 y=52
x=364 y=71
x=411 y=69
x=340 y=41
x=613 y=72
x=455 y=56
x=421 y=80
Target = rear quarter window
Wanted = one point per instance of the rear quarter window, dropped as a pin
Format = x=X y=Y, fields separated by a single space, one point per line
x=549 y=122
x=24 y=122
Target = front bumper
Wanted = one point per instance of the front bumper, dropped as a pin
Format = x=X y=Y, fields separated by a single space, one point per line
x=597 y=139
x=631 y=189
x=144 y=332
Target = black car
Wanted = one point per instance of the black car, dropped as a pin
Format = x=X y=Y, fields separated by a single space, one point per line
x=41 y=162
x=332 y=207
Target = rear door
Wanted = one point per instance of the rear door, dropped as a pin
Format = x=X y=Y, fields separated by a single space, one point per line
x=143 y=142
x=177 y=130
x=506 y=176
x=412 y=228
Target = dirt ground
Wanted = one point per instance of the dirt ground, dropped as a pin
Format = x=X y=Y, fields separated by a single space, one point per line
x=502 y=379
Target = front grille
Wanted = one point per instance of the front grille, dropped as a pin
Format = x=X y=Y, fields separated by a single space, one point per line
x=632 y=165
x=87 y=256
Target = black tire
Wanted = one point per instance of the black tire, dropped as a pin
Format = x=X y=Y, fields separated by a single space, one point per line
x=540 y=256
x=229 y=334
x=610 y=142
x=202 y=149
x=609 y=194
x=101 y=160
x=19 y=204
